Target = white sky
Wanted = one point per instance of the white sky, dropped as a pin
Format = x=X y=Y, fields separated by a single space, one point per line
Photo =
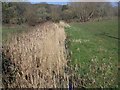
x=61 y=0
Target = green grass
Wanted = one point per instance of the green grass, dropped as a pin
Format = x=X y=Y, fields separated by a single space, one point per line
x=94 y=53
x=8 y=32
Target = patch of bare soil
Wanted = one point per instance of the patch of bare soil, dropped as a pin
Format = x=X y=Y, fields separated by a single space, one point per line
x=39 y=57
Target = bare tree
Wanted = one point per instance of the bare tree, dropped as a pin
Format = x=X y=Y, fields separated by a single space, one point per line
x=55 y=13
x=84 y=10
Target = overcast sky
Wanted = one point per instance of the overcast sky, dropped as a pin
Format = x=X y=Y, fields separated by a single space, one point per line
x=63 y=2
x=38 y=1
x=57 y=1
x=51 y=2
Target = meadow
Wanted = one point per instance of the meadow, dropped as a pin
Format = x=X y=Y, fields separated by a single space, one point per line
x=8 y=31
x=46 y=45
x=93 y=50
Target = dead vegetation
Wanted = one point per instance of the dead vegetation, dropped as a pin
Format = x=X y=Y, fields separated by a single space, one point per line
x=37 y=59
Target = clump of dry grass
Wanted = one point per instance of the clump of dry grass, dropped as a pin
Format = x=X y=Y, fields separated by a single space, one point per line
x=40 y=58
x=63 y=24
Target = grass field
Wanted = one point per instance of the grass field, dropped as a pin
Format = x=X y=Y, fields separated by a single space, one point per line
x=7 y=32
x=93 y=48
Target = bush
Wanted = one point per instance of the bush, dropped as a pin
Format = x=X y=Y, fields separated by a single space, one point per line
x=31 y=21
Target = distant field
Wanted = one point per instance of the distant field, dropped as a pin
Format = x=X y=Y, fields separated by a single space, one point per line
x=93 y=47
x=7 y=32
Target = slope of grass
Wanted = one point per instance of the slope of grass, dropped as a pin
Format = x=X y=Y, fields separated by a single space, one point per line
x=95 y=53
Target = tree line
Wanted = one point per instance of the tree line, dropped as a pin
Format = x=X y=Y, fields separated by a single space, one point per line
x=32 y=14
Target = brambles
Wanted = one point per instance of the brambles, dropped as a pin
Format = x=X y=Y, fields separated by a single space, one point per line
x=9 y=71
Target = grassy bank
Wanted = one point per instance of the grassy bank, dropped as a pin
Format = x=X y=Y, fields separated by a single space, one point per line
x=93 y=48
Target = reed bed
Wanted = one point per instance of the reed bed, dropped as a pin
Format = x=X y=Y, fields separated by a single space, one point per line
x=36 y=59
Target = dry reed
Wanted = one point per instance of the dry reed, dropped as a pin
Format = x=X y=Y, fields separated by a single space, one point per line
x=40 y=58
